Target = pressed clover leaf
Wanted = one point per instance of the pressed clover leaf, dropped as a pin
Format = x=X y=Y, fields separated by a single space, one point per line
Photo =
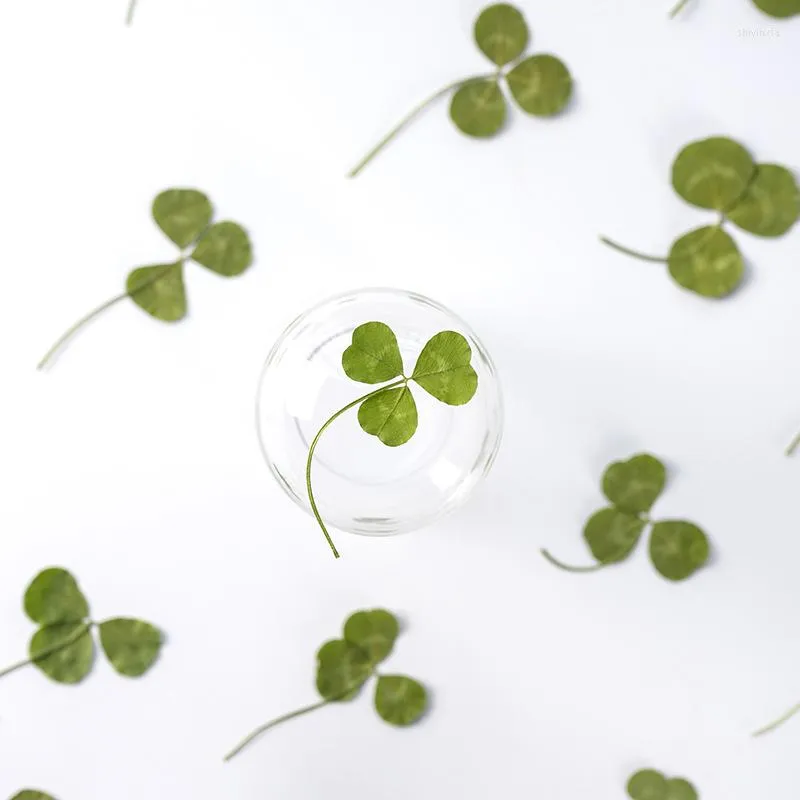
x=719 y=174
x=345 y=665
x=649 y=784
x=184 y=216
x=774 y=8
x=32 y=794
x=677 y=549
x=443 y=370
x=399 y=700
x=63 y=647
x=540 y=85
x=374 y=632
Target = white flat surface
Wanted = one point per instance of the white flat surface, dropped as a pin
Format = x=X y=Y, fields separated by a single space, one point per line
x=134 y=462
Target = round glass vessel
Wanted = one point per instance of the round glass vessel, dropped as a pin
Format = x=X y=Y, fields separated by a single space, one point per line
x=361 y=485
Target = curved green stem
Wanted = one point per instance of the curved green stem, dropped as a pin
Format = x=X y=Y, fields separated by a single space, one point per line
x=566 y=567
x=413 y=114
x=49 y=651
x=313 y=447
x=633 y=253
x=263 y=728
x=99 y=310
x=778 y=722
x=76 y=327
x=131 y=9
x=678 y=8
x=795 y=443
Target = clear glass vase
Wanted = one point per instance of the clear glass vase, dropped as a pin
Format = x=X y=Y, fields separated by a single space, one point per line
x=361 y=485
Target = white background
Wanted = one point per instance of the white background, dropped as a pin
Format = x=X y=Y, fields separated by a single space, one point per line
x=134 y=463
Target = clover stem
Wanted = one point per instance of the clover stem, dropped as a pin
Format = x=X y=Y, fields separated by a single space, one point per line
x=678 y=8
x=795 y=443
x=778 y=722
x=49 y=651
x=76 y=327
x=566 y=567
x=405 y=121
x=271 y=724
x=313 y=447
x=632 y=253
x=131 y=9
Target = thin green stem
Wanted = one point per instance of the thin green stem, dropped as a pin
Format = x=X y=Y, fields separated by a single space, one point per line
x=92 y=314
x=632 y=253
x=566 y=567
x=49 y=651
x=778 y=722
x=131 y=9
x=795 y=443
x=263 y=728
x=678 y=8
x=313 y=447
x=410 y=117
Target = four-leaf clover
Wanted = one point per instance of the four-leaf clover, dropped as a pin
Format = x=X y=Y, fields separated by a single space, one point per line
x=720 y=175
x=185 y=217
x=541 y=85
x=63 y=647
x=345 y=665
x=443 y=370
x=677 y=548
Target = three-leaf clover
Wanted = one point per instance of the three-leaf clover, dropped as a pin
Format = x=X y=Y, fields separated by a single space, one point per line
x=541 y=85
x=677 y=548
x=184 y=216
x=650 y=784
x=63 y=648
x=345 y=665
x=443 y=370
x=781 y=9
x=720 y=175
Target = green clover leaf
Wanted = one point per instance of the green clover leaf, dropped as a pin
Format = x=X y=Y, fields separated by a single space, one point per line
x=678 y=549
x=719 y=174
x=184 y=215
x=770 y=205
x=390 y=415
x=612 y=534
x=634 y=485
x=541 y=85
x=400 y=700
x=63 y=647
x=342 y=669
x=478 y=108
x=373 y=356
x=63 y=651
x=706 y=261
x=501 y=33
x=32 y=794
x=131 y=645
x=712 y=173
x=225 y=249
x=374 y=632
x=647 y=784
x=159 y=291
x=345 y=665
x=680 y=789
x=443 y=369
x=54 y=596
x=779 y=8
